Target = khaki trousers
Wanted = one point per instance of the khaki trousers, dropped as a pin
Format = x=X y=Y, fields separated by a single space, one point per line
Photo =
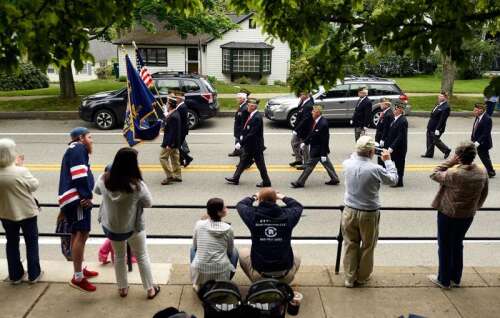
x=253 y=275
x=169 y=160
x=360 y=232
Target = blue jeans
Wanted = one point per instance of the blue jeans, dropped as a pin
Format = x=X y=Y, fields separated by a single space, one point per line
x=451 y=233
x=30 y=234
x=233 y=258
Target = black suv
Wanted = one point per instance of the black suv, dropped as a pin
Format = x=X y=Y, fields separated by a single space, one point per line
x=107 y=109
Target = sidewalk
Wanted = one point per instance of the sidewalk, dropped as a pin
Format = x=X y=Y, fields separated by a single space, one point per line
x=393 y=291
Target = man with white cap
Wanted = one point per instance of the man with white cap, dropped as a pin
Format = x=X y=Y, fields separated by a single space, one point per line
x=361 y=119
x=360 y=217
x=240 y=117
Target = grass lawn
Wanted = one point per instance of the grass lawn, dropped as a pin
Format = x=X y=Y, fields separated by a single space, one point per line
x=42 y=104
x=432 y=84
x=427 y=103
x=255 y=89
x=82 y=88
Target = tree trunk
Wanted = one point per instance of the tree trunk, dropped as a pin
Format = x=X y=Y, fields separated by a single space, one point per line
x=66 y=82
x=449 y=71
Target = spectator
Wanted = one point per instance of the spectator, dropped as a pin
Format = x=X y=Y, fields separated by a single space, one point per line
x=463 y=190
x=361 y=215
x=490 y=102
x=18 y=210
x=213 y=255
x=125 y=195
x=271 y=254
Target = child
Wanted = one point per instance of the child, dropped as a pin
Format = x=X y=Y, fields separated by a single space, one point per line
x=105 y=250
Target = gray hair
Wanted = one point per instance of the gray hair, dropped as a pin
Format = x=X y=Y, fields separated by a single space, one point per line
x=7 y=152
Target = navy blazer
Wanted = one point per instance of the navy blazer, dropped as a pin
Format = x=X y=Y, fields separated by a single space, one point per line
x=362 y=116
x=397 y=139
x=319 y=139
x=172 y=131
x=482 y=134
x=304 y=118
x=240 y=116
x=383 y=126
x=253 y=134
x=438 y=118
x=183 y=113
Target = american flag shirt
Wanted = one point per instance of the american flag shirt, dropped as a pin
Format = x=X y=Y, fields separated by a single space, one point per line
x=76 y=181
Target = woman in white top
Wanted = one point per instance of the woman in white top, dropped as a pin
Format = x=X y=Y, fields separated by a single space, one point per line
x=18 y=210
x=125 y=196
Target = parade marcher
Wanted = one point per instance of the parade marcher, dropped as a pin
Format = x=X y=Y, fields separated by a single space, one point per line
x=302 y=128
x=124 y=197
x=185 y=158
x=361 y=215
x=462 y=191
x=384 y=123
x=18 y=211
x=436 y=127
x=271 y=254
x=318 y=140
x=240 y=116
x=362 y=117
x=397 y=141
x=76 y=183
x=172 y=141
x=252 y=142
x=481 y=137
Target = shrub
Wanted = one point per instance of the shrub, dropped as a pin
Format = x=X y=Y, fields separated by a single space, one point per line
x=243 y=80
x=279 y=83
x=263 y=81
x=393 y=65
x=212 y=80
x=122 y=79
x=104 y=72
x=26 y=77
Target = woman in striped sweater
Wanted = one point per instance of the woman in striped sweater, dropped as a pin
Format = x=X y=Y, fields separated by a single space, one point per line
x=213 y=255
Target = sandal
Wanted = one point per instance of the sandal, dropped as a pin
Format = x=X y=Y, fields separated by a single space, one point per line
x=157 y=291
x=123 y=292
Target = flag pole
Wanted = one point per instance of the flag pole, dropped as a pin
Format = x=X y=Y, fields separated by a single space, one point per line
x=163 y=106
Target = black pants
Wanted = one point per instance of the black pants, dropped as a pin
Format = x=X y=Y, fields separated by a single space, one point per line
x=399 y=161
x=433 y=140
x=451 y=233
x=183 y=153
x=246 y=161
x=490 y=108
x=484 y=155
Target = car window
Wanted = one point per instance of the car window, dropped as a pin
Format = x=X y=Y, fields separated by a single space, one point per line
x=208 y=85
x=382 y=89
x=353 y=90
x=166 y=86
x=337 y=91
x=190 y=86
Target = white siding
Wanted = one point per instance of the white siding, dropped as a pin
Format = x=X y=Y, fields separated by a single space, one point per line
x=176 y=59
x=81 y=76
x=280 y=60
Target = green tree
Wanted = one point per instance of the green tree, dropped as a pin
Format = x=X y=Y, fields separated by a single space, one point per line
x=338 y=32
x=58 y=32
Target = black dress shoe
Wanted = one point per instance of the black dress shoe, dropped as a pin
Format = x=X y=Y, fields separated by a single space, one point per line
x=332 y=182
x=492 y=174
x=446 y=155
x=296 y=185
x=300 y=167
x=397 y=186
x=425 y=156
x=232 y=181
x=187 y=162
x=235 y=153
x=175 y=180
x=295 y=163
x=263 y=185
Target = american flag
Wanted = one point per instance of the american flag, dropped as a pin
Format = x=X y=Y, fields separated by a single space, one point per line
x=143 y=70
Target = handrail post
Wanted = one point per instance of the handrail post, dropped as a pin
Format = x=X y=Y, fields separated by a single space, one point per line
x=340 y=240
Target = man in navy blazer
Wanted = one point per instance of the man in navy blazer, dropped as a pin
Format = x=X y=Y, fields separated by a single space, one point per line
x=481 y=137
x=252 y=142
x=384 y=124
x=172 y=141
x=302 y=128
x=397 y=141
x=318 y=141
x=436 y=127
x=362 y=117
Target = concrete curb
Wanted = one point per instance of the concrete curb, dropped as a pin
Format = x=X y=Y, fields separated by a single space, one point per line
x=62 y=115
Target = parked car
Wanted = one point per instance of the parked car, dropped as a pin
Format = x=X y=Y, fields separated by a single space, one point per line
x=339 y=102
x=107 y=109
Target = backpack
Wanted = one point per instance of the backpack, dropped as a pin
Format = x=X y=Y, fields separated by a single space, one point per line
x=267 y=298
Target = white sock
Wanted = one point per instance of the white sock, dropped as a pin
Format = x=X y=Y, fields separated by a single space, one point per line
x=78 y=276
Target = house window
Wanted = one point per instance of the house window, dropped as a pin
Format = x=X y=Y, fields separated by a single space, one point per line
x=252 y=24
x=154 y=56
x=51 y=70
x=87 y=69
x=246 y=61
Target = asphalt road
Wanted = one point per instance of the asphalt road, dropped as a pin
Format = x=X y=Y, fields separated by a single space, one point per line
x=43 y=144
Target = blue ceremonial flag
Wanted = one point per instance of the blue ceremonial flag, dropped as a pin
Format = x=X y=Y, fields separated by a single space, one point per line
x=141 y=120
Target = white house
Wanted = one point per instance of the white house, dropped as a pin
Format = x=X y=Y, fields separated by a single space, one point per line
x=245 y=51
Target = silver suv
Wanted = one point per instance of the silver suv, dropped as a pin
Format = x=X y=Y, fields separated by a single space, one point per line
x=339 y=102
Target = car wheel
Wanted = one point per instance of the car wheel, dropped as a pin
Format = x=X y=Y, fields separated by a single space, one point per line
x=104 y=119
x=193 y=119
x=375 y=117
x=292 y=118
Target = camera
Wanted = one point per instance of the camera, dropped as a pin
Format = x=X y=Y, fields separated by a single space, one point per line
x=378 y=151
